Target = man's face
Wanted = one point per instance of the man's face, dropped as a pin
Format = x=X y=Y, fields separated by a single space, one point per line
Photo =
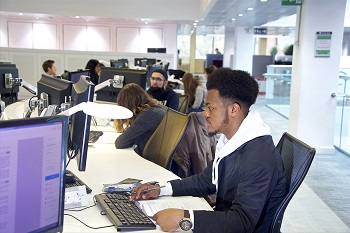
x=52 y=70
x=157 y=80
x=216 y=113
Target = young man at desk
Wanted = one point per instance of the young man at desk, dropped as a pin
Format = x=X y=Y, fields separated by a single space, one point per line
x=247 y=172
x=160 y=91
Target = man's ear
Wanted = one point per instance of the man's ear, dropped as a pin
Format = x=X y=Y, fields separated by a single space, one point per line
x=165 y=83
x=235 y=108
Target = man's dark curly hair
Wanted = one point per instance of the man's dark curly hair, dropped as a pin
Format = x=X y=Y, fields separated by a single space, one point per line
x=236 y=85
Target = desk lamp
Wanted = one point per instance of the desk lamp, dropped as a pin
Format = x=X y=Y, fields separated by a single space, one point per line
x=110 y=111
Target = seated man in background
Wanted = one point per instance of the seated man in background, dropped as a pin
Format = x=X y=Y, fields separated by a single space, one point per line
x=50 y=68
x=247 y=172
x=158 y=90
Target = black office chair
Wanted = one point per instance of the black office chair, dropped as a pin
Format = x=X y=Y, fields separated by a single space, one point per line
x=297 y=157
x=161 y=146
x=183 y=103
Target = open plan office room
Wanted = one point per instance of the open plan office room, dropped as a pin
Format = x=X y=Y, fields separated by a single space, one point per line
x=298 y=51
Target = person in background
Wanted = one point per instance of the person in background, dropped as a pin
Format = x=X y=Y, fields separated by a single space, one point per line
x=94 y=66
x=209 y=70
x=147 y=115
x=159 y=90
x=247 y=172
x=195 y=91
x=101 y=65
x=217 y=51
x=50 y=68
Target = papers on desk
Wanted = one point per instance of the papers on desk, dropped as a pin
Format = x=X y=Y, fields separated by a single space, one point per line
x=151 y=207
x=108 y=137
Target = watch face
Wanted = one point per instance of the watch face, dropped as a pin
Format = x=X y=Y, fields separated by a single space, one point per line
x=185 y=224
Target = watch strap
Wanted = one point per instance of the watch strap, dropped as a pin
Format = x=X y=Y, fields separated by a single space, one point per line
x=186 y=214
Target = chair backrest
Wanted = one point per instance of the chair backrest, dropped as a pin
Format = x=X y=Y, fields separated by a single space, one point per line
x=183 y=103
x=297 y=157
x=161 y=146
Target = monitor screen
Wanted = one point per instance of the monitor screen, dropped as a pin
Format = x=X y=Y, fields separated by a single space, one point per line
x=82 y=91
x=140 y=62
x=58 y=90
x=110 y=93
x=120 y=63
x=8 y=94
x=32 y=154
x=74 y=76
x=156 y=50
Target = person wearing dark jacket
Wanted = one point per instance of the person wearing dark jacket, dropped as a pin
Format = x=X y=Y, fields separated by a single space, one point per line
x=158 y=90
x=147 y=115
x=247 y=172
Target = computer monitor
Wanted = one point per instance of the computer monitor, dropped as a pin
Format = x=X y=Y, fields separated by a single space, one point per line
x=58 y=90
x=120 y=63
x=32 y=153
x=82 y=91
x=74 y=76
x=8 y=94
x=145 y=62
x=156 y=50
x=110 y=93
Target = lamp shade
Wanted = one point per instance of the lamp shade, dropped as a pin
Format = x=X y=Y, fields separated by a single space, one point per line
x=110 y=111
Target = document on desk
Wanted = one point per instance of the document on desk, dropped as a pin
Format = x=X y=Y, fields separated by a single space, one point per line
x=151 y=207
x=108 y=137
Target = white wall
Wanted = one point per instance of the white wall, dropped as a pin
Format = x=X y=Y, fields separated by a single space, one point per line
x=85 y=36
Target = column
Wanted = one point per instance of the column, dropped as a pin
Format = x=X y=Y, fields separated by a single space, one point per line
x=244 y=49
x=193 y=52
x=228 y=52
x=312 y=109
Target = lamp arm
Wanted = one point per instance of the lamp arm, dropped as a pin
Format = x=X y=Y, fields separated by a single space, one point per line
x=72 y=110
x=103 y=84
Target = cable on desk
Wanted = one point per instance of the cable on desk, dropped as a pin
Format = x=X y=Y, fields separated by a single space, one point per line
x=86 y=224
x=87 y=207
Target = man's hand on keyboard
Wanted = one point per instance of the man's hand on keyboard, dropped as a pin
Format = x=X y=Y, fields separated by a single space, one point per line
x=145 y=191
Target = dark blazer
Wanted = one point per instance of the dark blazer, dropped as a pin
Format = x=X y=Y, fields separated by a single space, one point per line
x=252 y=184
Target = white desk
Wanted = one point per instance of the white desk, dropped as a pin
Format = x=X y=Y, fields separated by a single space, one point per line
x=106 y=164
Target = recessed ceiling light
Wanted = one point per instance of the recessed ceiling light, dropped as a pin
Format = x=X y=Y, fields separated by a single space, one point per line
x=196 y=21
x=263 y=0
x=233 y=19
x=250 y=8
x=77 y=17
x=142 y=19
x=146 y=22
x=194 y=24
x=20 y=13
x=240 y=15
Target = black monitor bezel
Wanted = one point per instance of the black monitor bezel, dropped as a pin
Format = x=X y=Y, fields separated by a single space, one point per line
x=82 y=91
x=39 y=121
x=110 y=93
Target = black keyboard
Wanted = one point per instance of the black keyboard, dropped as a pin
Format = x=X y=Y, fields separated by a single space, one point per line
x=94 y=136
x=78 y=182
x=124 y=215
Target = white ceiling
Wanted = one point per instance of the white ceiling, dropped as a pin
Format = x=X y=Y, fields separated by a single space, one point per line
x=213 y=15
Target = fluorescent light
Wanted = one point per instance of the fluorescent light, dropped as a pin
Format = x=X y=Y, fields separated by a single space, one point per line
x=77 y=17
x=250 y=8
x=233 y=19
x=263 y=0
x=240 y=15
x=196 y=21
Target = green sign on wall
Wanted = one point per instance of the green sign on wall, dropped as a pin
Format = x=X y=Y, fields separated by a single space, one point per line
x=291 y=2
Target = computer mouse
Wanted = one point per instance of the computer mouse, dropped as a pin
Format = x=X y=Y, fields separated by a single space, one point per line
x=70 y=178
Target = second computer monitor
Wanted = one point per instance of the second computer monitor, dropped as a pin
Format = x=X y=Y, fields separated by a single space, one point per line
x=110 y=93
x=58 y=90
x=82 y=91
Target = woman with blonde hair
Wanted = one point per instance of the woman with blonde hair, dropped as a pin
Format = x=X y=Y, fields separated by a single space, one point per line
x=195 y=91
x=147 y=115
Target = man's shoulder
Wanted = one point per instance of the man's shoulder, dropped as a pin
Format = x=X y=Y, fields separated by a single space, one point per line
x=170 y=92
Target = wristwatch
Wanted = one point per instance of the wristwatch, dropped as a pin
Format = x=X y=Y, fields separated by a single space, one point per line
x=185 y=223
